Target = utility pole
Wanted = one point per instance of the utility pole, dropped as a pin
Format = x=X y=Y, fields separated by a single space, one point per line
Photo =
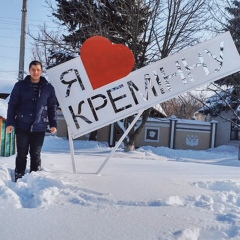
x=22 y=41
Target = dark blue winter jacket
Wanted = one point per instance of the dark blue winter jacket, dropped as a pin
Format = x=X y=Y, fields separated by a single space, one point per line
x=30 y=112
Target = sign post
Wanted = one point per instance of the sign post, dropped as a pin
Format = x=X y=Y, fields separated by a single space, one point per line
x=120 y=141
x=71 y=150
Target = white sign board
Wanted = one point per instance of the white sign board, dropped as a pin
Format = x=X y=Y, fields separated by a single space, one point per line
x=86 y=109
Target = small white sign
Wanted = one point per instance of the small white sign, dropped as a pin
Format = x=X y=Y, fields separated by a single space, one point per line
x=152 y=134
x=86 y=109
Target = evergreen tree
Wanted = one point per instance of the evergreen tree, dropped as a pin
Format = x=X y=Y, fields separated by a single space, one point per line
x=120 y=21
x=233 y=26
x=227 y=90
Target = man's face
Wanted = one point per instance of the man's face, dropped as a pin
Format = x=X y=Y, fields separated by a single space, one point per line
x=35 y=73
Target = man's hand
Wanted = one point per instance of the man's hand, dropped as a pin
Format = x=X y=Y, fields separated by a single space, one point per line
x=9 y=129
x=53 y=130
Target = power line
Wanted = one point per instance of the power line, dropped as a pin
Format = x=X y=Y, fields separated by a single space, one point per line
x=9 y=37
x=8 y=46
x=8 y=70
x=15 y=29
x=8 y=57
x=8 y=22
x=11 y=46
x=5 y=77
x=33 y=20
x=29 y=25
x=10 y=18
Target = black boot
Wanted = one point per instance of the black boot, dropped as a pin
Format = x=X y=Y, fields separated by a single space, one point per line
x=35 y=169
x=18 y=175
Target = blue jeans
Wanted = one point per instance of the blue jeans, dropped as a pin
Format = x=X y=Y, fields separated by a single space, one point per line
x=28 y=142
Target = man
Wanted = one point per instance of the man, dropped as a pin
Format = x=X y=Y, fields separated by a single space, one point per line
x=32 y=106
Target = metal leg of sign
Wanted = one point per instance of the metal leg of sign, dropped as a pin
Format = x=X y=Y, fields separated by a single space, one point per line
x=72 y=150
x=120 y=141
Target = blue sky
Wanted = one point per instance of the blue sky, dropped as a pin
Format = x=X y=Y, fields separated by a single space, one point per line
x=10 y=31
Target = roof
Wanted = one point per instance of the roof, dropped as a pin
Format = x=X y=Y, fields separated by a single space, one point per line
x=226 y=99
x=158 y=111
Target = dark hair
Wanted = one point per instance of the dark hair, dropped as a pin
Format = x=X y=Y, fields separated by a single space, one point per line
x=35 y=62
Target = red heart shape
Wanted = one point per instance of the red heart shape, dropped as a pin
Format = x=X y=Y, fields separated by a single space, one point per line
x=104 y=61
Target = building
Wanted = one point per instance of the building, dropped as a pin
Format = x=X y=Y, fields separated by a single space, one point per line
x=225 y=110
x=159 y=132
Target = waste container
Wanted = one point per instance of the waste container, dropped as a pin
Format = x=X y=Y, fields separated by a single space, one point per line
x=8 y=140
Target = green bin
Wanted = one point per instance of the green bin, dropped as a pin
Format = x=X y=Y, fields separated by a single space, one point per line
x=8 y=140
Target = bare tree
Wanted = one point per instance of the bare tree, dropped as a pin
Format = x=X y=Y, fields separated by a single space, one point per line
x=47 y=43
x=179 y=24
x=174 y=26
x=184 y=106
x=219 y=15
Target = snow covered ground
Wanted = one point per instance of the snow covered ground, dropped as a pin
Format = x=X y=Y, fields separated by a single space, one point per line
x=149 y=194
